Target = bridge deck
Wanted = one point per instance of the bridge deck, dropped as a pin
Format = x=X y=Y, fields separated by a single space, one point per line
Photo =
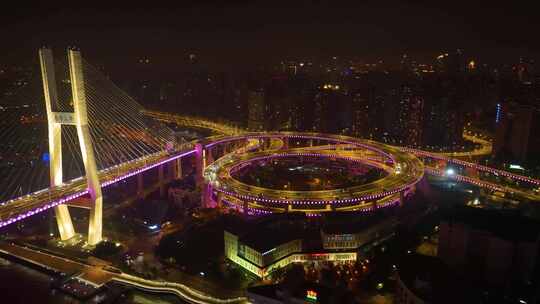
x=34 y=203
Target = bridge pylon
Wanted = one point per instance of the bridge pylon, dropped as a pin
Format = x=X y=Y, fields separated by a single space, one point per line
x=79 y=119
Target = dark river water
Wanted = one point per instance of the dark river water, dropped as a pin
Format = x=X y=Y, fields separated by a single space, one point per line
x=20 y=284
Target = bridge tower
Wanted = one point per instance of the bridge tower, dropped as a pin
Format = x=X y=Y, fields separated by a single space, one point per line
x=79 y=119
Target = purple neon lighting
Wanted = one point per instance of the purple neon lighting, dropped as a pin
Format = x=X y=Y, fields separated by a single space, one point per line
x=81 y=193
x=311 y=213
x=321 y=202
x=466 y=179
x=309 y=202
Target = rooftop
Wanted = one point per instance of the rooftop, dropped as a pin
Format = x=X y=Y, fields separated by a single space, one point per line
x=269 y=232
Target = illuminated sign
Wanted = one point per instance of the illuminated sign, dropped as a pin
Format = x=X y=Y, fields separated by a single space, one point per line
x=311 y=295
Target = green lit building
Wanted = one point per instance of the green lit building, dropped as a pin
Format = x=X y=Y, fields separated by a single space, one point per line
x=281 y=240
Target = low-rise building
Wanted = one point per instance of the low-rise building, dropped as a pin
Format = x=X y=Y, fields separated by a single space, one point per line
x=280 y=240
x=350 y=231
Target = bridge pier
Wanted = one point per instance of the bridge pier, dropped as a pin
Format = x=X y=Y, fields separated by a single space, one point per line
x=177 y=166
x=206 y=195
x=140 y=185
x=285 y=143
x=245 y=207
x=161 y=181
x=199 y=163
x=209 y=157
x=219 y=199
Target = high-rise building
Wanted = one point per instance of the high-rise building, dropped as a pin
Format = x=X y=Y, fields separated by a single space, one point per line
x=473 y=242
x=517 y=129
x=278 y=103
x=443 y=124
x=329 y=110
x=409 y=124
x=360 y=113
x=256 y=110
x=361 y=92
x=444 y=119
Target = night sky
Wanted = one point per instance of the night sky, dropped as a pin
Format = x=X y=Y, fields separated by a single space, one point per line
x=249 y=32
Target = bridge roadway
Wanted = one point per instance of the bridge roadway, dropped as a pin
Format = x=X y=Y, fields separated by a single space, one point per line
x=448 y=157
x=403 y=171
x=28 y=205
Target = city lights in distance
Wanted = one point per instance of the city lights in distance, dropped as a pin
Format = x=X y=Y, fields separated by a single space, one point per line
x=330 y=87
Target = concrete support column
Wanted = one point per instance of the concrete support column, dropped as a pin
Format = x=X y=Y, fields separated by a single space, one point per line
x=178 y=168
x=161 y=181
x=245 y=207
x=140 y=185
x=288 y=208
x=374 y=205
x=63 y=218
x=401 y=198
x=219 y=199
x=209 y=157
x=206 y=195
x=199 y=163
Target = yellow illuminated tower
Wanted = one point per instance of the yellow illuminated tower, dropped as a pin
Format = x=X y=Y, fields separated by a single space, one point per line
x=79 y=119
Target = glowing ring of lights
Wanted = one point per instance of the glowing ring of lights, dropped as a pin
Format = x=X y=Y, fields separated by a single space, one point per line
x=403 y=168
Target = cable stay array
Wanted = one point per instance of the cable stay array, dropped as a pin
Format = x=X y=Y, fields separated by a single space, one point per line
x=119 y=130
